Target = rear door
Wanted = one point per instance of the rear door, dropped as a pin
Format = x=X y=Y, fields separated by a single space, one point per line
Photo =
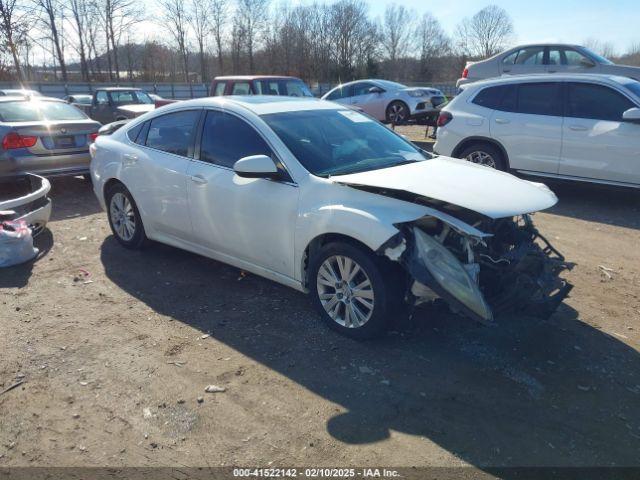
x=101 y=108
x=529 y=125
x=156 y=173
x=341 y=95
x=597 y=143
x=524 y=61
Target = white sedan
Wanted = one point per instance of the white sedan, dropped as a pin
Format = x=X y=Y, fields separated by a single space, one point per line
x=328 y=201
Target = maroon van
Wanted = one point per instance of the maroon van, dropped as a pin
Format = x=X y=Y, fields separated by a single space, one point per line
x=259 y=85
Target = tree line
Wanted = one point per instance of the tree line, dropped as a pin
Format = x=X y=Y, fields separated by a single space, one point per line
x=195 y=40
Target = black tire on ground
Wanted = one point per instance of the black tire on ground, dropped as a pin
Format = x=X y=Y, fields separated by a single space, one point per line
x=485 y=154
x=387 y=293
x=397 y=113
x=139 y=237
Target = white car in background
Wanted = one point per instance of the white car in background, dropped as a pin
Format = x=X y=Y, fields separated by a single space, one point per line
x=389 y=102
x=577 y=127
x=328 y=201
x=549 y=58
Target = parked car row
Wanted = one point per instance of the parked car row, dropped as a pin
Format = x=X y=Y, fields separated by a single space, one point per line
x=577 y=127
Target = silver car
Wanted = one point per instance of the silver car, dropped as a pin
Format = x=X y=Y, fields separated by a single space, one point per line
x=45 y=136
x=548 y=58
x=389 y=102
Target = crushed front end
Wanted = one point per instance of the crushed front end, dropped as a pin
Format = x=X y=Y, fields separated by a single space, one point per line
x=492 y=267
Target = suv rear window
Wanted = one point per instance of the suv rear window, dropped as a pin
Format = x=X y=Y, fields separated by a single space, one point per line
x=35 y=111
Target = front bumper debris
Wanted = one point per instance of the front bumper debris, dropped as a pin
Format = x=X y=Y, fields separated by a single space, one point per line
x=24 y=198
x=515 y=267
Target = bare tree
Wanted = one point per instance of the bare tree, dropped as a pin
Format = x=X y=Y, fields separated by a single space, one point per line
x=118 y=17
x=486 y=33
x=606 y=49
x=13 y=25
x=218 y=17
x=252 y=16
x=396 y=31
x=52 y=11
x=176 y=18
x=201 y=26
x=80 y=14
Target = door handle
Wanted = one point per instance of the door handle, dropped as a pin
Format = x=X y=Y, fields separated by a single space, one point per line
x=552 y=71
x=129 y=158
x=578 y=128
x=506 y=70
x=502 y=121
x=199 y=179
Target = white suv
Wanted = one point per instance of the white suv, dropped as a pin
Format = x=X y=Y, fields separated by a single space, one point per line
x=578 y=127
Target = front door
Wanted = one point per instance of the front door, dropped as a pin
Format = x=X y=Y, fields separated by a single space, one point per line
x=370 y=103
x=249 y=219
x=596 y=143
x=101 y=109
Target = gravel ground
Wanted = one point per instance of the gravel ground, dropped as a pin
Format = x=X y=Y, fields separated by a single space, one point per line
x=115 y=349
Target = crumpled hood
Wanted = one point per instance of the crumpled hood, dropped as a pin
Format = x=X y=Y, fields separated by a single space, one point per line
x=484 y=190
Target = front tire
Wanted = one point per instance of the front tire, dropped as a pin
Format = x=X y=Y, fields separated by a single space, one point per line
x=397 y=113
x=351 y=290
x=124 y=217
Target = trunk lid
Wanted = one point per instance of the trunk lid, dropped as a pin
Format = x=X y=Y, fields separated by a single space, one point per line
x=57 y=137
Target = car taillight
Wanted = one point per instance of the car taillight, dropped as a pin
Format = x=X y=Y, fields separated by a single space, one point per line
x=13 y=140
x=465 y=72
x=444 y=118
x=93 y=136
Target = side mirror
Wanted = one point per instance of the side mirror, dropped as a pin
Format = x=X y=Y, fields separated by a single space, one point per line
x=631 y=115
x=585 y=62
x=376 y=90
x=256 y=166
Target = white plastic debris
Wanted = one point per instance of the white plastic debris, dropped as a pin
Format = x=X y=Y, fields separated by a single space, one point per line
x=16 y=243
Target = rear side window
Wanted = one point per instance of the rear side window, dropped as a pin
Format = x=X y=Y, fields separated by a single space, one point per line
x=501 y=97
x=341 y=92
x=35 y=111
x=226 y=139
x=173 y=133
x=219 y=89
x=241 y=88
x=540 y=99
x=596 y=102
x=134 y=132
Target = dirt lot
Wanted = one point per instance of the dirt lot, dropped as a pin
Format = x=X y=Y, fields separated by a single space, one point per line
x=115 y=347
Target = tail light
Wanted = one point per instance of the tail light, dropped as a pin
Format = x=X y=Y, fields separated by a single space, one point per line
x=13 y=140
x=93 y=136
x=444 y=118
x=465 y=72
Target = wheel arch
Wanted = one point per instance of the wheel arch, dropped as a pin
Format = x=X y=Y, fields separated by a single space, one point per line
x=324 y=239
x=480 y=139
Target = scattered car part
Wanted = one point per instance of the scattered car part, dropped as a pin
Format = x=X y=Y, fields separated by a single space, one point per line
x=25 y=198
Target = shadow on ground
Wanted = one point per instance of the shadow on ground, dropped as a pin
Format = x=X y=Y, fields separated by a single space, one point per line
x=526 y=392
x=72 y=197
x=596 y=203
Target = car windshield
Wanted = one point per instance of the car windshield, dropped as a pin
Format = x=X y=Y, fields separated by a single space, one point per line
x=598 y=58
x=34 y=111
x=386 y=84
x=337 y=142
x=128 y=97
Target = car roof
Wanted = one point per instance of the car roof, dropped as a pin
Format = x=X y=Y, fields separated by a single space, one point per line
x=255 y=77
x=258 y=104
x=546 y=77
x=117 y=89
x=543 y=44
x=26 y=98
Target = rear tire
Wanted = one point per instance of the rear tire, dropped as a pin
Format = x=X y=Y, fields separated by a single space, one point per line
x=124 y=218
x=359 y=307
x=485 y=154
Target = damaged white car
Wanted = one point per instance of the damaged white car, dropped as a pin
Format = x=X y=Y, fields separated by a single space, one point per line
x=328 y=201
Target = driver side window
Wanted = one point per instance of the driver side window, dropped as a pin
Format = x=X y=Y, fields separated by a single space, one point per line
x=362 y=89
x=226 y=139
x=102 y=98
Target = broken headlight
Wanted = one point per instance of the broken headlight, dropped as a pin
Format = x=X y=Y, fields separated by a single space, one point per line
x=450 y=274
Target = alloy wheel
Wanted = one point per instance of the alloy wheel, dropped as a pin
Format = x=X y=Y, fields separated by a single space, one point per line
x=345 y=291
x=397 y=113
x=481 y=158
x=122 y=216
